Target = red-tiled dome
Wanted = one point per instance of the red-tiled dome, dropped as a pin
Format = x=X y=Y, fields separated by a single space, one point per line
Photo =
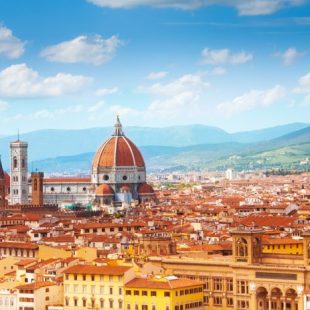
x=145 y=189
x=104 y=190
x=118 y=151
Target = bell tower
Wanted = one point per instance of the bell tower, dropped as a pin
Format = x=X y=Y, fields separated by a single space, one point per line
x=247 y=245
x=19 y=172
x=306 y=247
x=37 y=188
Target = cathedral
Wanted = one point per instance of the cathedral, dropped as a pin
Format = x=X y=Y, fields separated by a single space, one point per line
x=117 y=179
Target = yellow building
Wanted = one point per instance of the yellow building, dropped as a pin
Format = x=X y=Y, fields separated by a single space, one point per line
x=95 y=287
x=164 y=293
x=249 y=278
x=282 y=246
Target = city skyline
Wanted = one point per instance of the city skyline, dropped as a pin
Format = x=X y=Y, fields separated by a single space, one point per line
x=235 y=65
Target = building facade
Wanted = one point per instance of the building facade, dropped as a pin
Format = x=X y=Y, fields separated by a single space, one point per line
x=248 y=279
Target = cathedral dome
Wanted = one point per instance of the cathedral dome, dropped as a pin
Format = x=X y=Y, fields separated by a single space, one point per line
x=145 y=188
x=118 y=151
x=104 y=190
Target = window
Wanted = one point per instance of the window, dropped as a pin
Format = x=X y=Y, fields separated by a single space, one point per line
x=128 y=292
x=101 y=303
x=136 y=307
x=144 y=293
x=128 y=307
x=84 y=302
x=120 y=291
x=76 y=288
x=15 y=162
x=230 y=285
x=144 y=307
x=217 y=301
x=125 y=178
x=93 y=278
x=111 y=303
x=84 y=288
x=101 y=290
x=75 y=277
x=153 y=293
x=243 y=304
x=230 y=302
x=136 y=293
x=120 y=304
x=68 y=189
x=93 y=289
x=167 y=294
x=217 y=284
x=111 y=290
x=84 y=277
x=242 y=287
x=75 y=302
x=110 y=278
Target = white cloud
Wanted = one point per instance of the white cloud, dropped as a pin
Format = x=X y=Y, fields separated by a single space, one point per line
x=106 y=91
x=303 y=84
x=218 y=71
x=175 y=97
x=253 y=99
x=21 y=81
x=187 y=82
x=3 y=105
x=10 y=46
x=224 y=56
x=83 y=49
x=244 y=7
x=289 y=56
x=157 y=75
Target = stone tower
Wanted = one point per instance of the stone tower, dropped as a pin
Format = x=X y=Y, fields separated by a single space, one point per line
x=37 y=188
x=19 y=172
x=2 y=188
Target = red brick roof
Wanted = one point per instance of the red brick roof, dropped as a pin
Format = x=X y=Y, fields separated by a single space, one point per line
x=97 y=270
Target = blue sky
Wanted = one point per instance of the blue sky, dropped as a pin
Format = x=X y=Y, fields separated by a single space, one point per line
x=238 y=65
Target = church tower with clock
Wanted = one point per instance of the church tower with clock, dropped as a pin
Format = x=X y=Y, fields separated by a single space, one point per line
x=19 y=172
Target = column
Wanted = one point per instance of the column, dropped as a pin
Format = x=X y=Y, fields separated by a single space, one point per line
x=269 y=303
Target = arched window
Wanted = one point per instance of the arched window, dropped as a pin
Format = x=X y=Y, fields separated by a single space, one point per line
x=23 y=163
x=15 y=162
x=241 y=248
x=35 y=185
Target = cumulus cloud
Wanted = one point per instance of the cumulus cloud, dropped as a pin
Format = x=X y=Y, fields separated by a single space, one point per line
x=253 y=99
x=10 y=46
x=93 y=50
x=218 y=71
x=175 y=97
x=224 y=56
x=289 y=55
x=106 y=91
x=21 y=81
x=244 y=7
x=157 y=75
x=303 y=84
x=187 y=82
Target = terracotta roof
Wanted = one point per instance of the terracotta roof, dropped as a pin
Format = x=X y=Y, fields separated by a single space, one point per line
x=145 y=188
x=118 y=151
x=95 y=270
x=18 y=245
x=104 y=190
x=161 y=283
x=35 y=285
